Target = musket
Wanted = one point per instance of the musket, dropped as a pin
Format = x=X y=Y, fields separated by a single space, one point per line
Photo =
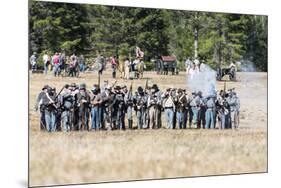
x=146 y=84
x=224 y=89
x=131 y=89
x=114 y=83
x=54 y=101
x=59 y=93
x=99 y=80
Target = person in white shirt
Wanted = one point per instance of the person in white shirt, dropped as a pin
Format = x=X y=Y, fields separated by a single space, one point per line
x=197 y=65
x=46 y=61
x=192 y=71
x=127 y=68
x=188 y=65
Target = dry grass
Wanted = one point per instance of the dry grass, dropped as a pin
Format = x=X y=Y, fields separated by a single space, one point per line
x=87 y=157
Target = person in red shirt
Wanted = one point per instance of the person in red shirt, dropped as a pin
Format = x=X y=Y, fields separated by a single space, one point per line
x=114 y=65
x=56 y=63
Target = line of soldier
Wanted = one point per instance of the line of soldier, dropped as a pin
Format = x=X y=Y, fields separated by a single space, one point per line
x=74 y=106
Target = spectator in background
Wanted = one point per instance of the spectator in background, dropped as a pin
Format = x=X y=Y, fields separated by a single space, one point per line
x=56 y=63
x=62 y=60
x=46 y=61
x=188 y=65
x=33 y=61
x=100 y=63
x=127 y=68
x=113 y=66
x=82 y=64
x=72 y=65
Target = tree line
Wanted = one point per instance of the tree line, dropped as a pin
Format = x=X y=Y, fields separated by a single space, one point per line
x=218 y=38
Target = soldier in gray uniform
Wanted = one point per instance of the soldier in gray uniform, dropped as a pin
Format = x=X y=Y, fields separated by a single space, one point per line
x=181 y=104
x=49 y=107
x=38 y=105
x=227 y=114
x=75 y=110
x=121 y=110
x=174 y=95
x=220 y=109
x=128 y=98
x=67 y=101
x=210 y=114
x=234 y=103
x=102 y=105
x=158 y=109
x=152 y=101
x=83 y=104
x=108 y=99
x=187 y=110
x=140 y=104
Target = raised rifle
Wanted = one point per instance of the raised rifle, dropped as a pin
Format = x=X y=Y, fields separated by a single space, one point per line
x=130 y=90
x=224 y=89
x=114 y=84
x=131 y=87
x=146 y=85
x=54 y=101
x=99 y=80
x=59 y=93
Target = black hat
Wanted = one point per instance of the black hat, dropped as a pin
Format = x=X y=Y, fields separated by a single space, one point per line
x=155 y=86
x=45 y=87
x=117 y=87
x=95 y=88
x=140 y=89
x=66 y=86
x=179 y=90
x=50 y=89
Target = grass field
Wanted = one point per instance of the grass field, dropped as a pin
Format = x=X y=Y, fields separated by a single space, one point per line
x=88 y=157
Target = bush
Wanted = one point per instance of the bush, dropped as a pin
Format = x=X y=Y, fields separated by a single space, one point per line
x=149 y=66
x=180 y=66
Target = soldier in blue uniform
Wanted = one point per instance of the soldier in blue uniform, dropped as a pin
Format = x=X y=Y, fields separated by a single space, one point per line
x=210 y=114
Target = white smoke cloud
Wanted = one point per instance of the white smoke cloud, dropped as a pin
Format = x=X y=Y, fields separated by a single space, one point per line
x=204 y=81
x=246 y=66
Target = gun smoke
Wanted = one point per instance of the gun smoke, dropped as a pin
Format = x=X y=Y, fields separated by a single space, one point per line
x=246 y=66
x=204 y=81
